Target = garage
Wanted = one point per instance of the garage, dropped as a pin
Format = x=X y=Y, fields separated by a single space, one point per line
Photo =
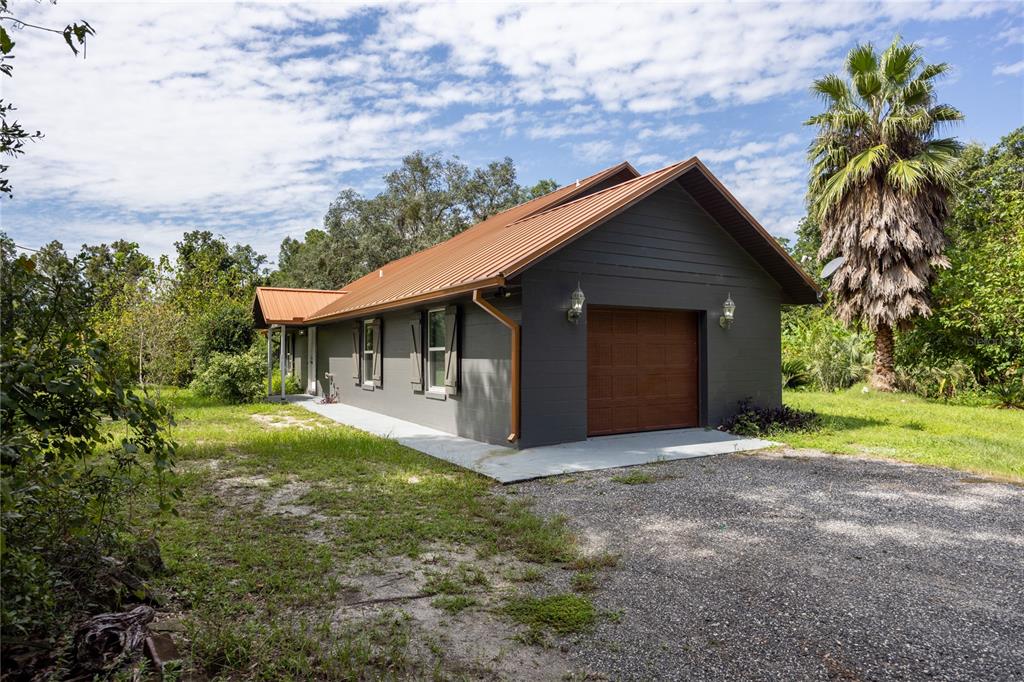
x=642 y=370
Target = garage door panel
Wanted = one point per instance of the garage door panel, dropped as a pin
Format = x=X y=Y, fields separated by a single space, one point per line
x=642 y=370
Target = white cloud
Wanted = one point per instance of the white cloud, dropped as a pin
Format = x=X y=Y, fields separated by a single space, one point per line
x=249 y=118
x=1009 y=69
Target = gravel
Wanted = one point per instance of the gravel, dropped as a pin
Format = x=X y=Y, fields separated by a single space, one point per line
x=797 y=565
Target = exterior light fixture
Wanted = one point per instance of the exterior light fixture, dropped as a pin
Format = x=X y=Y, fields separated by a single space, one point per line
x=728 y=312
x=576 y=302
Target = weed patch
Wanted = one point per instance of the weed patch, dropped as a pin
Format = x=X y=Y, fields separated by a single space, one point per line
x=561 y=613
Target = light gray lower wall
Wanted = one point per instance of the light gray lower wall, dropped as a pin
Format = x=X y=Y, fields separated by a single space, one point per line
x=480 y=410
x=300 y=361
x=665 y=252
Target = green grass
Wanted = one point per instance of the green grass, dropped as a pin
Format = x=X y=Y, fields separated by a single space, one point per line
x=978 y=439
x=561 y=613
x=258 y=589
x=635 y=478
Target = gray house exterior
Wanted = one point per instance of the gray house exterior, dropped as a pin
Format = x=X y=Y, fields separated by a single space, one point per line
x=656 y=258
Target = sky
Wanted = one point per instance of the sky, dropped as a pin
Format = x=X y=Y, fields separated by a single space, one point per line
x=247 y=120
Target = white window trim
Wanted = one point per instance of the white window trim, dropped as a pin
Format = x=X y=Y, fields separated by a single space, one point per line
x=431 y=388
x=367 y=376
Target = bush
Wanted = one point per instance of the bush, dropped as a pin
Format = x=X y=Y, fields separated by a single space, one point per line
x=832 y=356
x=794 y=373
x=233 y=378
x=945 y=383
x=751 y=420
x=291 y=384
x=225 y=327
x=78 y=449
x=1009 y=391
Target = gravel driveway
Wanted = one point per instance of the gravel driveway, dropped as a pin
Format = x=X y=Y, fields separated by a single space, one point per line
x=796 y=565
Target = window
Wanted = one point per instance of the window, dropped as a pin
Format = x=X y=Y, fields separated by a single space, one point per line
x=435 y=350
x=368 y=344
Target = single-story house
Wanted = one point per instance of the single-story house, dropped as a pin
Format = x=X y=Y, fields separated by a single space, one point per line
x=619 y=303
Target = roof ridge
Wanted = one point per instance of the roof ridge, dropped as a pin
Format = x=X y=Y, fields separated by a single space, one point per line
x=315 y=291
x=600 y=192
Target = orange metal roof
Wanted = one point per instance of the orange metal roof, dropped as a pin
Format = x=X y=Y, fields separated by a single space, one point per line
x=280 y=305
x=506 y=244
x=441 y=267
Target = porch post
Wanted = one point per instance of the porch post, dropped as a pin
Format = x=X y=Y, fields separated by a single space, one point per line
x=270 y=362
x=284 y=332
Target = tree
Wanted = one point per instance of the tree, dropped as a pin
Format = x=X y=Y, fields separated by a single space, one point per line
x=426 y=200
x=879 y=186
x=979 y=309
x=78 y=447
x=13 y=135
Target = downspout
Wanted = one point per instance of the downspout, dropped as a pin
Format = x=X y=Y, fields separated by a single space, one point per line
x=514 y=329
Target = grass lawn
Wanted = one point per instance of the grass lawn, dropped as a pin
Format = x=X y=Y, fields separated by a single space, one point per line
x=306 y=549
x=983 y=440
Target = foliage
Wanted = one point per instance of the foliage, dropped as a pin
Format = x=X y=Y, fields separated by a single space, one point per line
x=902 y=426
x=13 y=135
x=232 y=378
x=562 y=613
x=927 y=381
x=794 y=373
x=226 y=326
x=979 y=309
x=819 y=351
x=77 y=442
x=426 y=200
x=1009 y=391
x=291 y=384
x=752 y=420
x=879 y=186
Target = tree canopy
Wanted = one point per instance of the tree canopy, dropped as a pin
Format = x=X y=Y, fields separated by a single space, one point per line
x=424 y=201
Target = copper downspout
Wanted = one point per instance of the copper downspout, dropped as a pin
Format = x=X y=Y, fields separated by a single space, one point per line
x=513 y=327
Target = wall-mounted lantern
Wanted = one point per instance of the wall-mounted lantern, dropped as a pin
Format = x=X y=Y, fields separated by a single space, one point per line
x=728 y=312
x=576 y=302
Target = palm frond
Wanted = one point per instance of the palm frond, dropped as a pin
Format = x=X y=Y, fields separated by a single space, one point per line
x=868 y=84
x=943 y=113
x=931 y=71
x=864 y=164
x=862 y=59
x=831 y=88
x=899 y=61
x=907 y=175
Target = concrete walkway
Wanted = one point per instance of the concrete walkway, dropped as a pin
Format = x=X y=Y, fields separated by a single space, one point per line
x=508 y=465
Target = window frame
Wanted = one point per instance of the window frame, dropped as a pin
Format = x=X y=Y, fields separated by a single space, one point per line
x=429 y=350
x=366 y=378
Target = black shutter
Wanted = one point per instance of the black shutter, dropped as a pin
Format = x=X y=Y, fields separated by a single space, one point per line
x=416 y=354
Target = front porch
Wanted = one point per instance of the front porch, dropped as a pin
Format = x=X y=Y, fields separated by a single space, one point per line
x=508 y=465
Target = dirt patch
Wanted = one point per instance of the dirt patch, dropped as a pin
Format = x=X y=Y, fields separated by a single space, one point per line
x=475 y=643
x=284 y=421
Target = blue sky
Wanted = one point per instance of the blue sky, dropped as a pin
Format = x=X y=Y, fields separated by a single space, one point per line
x=248 y=119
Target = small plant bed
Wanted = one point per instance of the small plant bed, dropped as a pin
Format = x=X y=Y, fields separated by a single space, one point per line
x=753 y=420
x=975 y=438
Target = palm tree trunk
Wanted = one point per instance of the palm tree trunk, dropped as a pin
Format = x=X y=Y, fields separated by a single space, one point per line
x=883 y=378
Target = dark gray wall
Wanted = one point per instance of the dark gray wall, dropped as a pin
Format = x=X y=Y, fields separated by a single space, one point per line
x=480 y=410
x=665 y=252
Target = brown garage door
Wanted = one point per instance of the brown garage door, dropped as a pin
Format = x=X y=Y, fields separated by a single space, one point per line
x=641 y=370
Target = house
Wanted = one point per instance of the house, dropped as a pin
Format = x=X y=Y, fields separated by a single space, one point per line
x=619 y=303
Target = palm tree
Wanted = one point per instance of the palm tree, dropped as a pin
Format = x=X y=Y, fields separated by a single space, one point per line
x=879 y=184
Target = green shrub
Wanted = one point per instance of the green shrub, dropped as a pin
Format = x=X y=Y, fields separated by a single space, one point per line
x=794 y=373
x=225 y=327
x=832 y=356
x=751 y=420
x=233 y=378
x=945 y=383
x=291 y=384
x=78 y=448
x=1009 y=391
